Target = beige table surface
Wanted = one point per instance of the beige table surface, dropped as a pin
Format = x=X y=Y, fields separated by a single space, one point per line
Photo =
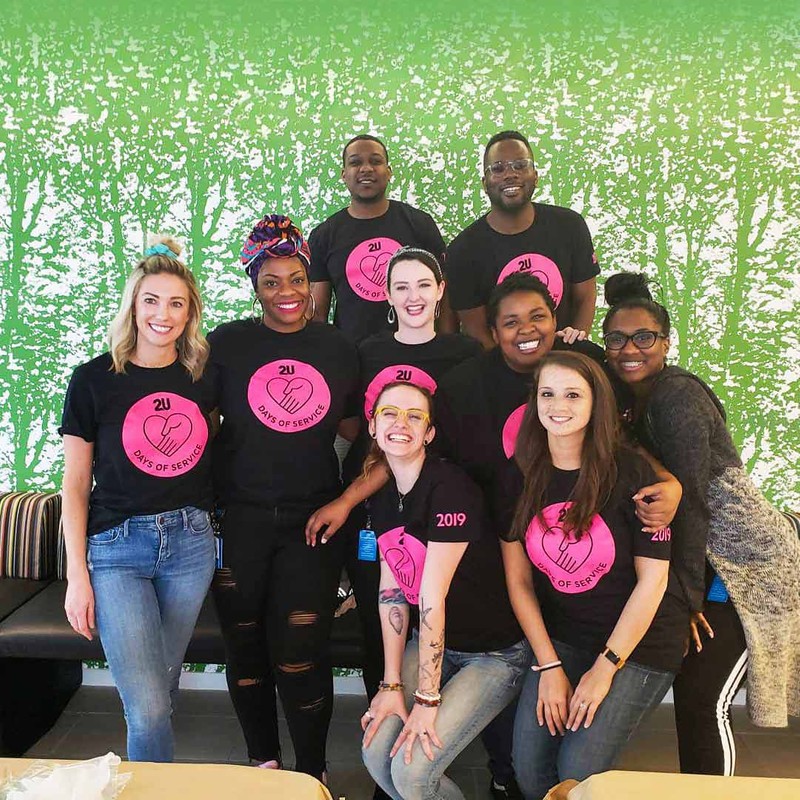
x=202 y=782
x=619 y=785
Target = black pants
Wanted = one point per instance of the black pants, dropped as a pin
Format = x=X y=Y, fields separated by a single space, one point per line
x=365 y=579
x=703 y=692
x=275 y=597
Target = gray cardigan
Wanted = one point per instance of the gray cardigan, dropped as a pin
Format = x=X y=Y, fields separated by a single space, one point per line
x=723 y=516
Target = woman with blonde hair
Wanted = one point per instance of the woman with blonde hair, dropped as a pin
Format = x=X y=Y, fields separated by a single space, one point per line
x=137 y=491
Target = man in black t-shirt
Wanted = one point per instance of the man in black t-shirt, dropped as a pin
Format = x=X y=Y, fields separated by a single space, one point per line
x=351 y=249
x=550 y=242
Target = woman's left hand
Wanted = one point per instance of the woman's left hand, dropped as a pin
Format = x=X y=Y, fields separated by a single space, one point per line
x=419 y=725
x=589 y=693
x=657 y=504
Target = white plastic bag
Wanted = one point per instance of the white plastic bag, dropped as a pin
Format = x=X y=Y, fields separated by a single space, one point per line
x=95 y=779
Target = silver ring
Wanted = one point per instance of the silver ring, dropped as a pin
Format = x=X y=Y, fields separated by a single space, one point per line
x=368 y=714
x=582 y=705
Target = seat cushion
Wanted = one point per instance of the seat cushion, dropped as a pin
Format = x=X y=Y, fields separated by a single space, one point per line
x=14 y=592
x=39 y=629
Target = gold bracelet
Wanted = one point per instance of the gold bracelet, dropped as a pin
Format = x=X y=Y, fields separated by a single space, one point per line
x=383 y=686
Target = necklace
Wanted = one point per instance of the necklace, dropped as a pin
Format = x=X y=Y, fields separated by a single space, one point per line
x=400 y=498
x=139 y=362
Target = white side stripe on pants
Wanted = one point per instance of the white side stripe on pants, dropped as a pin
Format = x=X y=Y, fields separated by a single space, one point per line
x=729 y=689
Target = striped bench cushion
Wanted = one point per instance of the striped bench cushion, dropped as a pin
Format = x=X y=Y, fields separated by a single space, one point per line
x=28 y=528
x=794 y=518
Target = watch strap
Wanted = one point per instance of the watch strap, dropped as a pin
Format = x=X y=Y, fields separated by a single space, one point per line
x=615 y=659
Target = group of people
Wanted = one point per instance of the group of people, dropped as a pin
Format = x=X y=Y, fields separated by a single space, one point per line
x=541 y=533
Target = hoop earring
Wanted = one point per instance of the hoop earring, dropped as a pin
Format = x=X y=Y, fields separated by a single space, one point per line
x=257 y=317
x=391 y=317
x=437 y=309
x=313 y=309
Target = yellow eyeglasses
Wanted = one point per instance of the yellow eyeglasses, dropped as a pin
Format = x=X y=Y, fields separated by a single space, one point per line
x=412 y=416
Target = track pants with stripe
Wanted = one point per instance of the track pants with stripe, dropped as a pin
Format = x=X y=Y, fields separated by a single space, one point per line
x=703 y=692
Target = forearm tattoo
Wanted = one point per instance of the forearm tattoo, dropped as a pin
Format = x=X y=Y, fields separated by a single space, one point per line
x=430 y=669
x=393 y=597
x=396 y=619
x=423 y=613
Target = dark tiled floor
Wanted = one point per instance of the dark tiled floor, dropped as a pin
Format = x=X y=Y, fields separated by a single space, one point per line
x=206 y=730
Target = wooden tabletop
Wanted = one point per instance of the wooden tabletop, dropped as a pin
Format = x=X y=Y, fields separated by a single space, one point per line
x=201 y=781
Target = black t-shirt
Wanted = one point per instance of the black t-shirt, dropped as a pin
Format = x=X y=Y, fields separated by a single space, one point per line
x=445 y=506
x=557 y=249
x=282 y=396
x=383 y=359
x=352 y=254
x=583 y=583
x=150 y=429
x=480 y=406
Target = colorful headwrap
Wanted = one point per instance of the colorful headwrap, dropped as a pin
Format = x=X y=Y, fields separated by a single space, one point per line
x=274 y=236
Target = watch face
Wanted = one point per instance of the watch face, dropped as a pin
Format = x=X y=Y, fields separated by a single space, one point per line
x=612 y=656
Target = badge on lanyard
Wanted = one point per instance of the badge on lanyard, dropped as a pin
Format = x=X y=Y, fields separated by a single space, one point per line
x=367 y=543
x=717 y=593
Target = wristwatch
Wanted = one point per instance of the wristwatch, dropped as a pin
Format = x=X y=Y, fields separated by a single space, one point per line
x=616 y=660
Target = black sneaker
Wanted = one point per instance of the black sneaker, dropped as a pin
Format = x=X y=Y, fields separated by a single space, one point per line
x=509 y=791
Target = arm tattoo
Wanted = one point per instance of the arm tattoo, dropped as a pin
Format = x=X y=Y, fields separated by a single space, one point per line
x=423 y=613
x=437 y=648
x=396 y=619
x=431 y=671
x=392 y=597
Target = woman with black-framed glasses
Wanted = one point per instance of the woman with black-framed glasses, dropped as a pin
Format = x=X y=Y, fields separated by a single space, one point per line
x=737 y=558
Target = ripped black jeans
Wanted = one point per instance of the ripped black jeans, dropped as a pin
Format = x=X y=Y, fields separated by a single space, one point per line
x=276 y=597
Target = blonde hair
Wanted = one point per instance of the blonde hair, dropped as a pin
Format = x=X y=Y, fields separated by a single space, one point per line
x=122 y=333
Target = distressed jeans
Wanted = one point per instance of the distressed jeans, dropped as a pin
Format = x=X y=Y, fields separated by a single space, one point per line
x=541 y=760
x=150 y=575
x=475 y=688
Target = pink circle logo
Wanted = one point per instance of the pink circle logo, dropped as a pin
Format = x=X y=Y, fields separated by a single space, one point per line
x=573 y=565
x=288 y=396
x=366 y=267
x=164 y=434
x=540 y=267
x=511 y=430
x=405 y=556
x=398 y=372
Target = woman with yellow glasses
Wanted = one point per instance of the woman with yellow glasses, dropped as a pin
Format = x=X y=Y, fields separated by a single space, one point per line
x=441 y=572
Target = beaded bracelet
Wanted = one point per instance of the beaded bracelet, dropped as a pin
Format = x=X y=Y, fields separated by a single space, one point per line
x=428 y=700
x=383 y=686
x=545 y=667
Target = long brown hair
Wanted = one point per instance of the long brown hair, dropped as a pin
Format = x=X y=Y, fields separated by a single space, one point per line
x=375 y=455
x=598 y=472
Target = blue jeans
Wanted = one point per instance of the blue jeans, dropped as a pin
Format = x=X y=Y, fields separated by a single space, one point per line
x=475 y=688
x=541 y=760
x=150 y=575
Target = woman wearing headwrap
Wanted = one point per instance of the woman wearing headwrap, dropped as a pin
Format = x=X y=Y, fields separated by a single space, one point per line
x=286 y=383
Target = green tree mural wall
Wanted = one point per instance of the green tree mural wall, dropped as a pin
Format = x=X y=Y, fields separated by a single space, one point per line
x=672 y=127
